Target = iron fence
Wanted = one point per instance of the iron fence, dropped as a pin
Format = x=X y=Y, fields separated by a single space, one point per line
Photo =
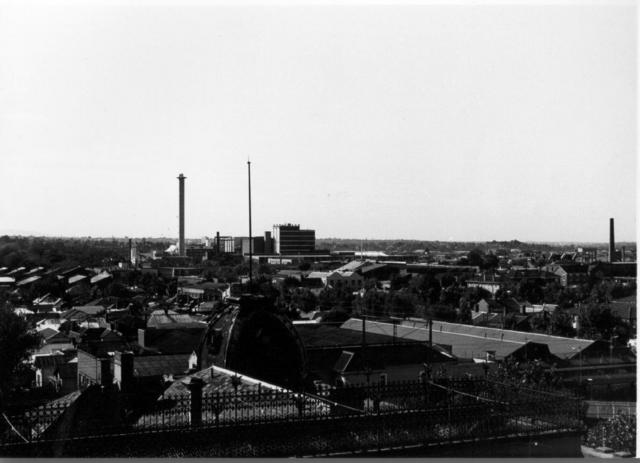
x=354 y=417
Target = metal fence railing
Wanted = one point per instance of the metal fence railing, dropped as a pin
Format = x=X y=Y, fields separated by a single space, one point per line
x=375 y=415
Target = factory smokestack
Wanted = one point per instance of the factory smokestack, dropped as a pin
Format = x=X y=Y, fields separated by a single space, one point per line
x=181 y=247
x=612 y=242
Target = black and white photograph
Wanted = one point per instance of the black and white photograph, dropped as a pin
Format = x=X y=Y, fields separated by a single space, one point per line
x=318 y=229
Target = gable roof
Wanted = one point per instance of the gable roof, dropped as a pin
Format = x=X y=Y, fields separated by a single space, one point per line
x=174 y=341
x=76 y=278
x=158 y=365
x=218 y=379
x=27 y=281
x=100 y=277
x=47 y=333
x=90 y=309
x=257 y=397
x=58 y=338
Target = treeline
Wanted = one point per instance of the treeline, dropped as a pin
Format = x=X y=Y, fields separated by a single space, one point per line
x=65 y=252
x=409 y=246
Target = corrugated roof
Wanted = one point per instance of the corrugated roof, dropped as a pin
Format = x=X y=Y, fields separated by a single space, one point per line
x=468 y=341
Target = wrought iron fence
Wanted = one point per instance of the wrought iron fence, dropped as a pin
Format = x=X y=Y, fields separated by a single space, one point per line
x=364 y=416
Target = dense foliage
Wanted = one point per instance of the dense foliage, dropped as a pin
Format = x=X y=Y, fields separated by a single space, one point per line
x=15 y=343
x=617 y=433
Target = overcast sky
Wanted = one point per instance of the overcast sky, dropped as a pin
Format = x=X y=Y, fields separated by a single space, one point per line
x=420 y=121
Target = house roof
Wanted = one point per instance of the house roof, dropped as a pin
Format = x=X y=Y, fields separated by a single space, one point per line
x=171 y=319
x=29 y=280
x=58 y=338
x=352 y=266
x=76 y=278
x=370 y=267
x=318 y=275
x=255 y=394
x=100 y=277
x=47 y=332
x=174 y=341
x=158 y=365
x=90 y=309
x=49 y=413
x=381 y=357
x=345 y=274
x=218 y=379
x=569 y=268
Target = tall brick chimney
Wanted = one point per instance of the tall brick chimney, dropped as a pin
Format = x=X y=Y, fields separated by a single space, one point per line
x=181 y=247
x=612 y=242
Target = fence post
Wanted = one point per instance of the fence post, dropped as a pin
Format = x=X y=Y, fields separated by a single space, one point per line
x=195 y=389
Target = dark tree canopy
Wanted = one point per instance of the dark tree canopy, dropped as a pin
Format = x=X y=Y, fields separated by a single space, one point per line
x=16 y=341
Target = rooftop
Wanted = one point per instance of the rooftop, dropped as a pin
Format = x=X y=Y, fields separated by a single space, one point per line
x=469 y=341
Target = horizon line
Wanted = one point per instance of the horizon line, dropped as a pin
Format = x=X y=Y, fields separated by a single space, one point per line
x=22 y=235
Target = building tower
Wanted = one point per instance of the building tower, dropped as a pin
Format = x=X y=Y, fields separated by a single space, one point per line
x=182 y=250
x=612 y=242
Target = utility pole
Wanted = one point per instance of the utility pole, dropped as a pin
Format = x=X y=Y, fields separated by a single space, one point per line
x=250 y=237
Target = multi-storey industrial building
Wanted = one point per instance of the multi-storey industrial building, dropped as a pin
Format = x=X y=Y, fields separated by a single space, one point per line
x=290 y=239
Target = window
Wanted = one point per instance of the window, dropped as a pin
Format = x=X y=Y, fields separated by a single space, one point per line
x=383 y=379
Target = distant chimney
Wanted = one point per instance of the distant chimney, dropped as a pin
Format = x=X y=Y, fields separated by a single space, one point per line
x=622 y=253
x=612 y=242
x=181 y=247
x=217 y=242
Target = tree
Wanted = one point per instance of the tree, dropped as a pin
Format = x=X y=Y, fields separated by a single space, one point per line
x=16 y=341
x=561 y=324
x=475 y=257
x=304 y=300
x=400 y=303
x=490 y=261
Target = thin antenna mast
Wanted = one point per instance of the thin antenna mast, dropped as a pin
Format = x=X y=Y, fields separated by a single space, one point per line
x=250 y=238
